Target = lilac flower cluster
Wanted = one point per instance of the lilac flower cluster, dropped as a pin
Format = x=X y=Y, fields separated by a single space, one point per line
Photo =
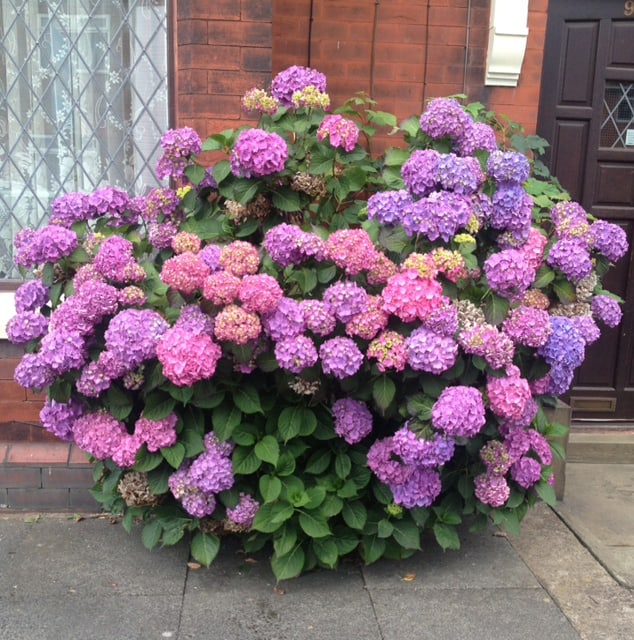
x=429 y=351
x=243 y=514
x=50 y=244
x=293 y=79
x=459 y=412
x=387 y=207
x=508 y=273
x=258 y=153
x=288 y=245
x=59 y=417
x=295 y=353
x=178 y=145
x=353 y=420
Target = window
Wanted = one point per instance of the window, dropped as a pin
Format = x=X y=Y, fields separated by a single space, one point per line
x=83 y=103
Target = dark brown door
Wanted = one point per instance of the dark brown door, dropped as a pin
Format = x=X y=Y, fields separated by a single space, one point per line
x=587 y=114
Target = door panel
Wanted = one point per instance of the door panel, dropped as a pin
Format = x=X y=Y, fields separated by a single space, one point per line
x=586 y=112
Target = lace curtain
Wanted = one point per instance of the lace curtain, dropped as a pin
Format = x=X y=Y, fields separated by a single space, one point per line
x=83 y=103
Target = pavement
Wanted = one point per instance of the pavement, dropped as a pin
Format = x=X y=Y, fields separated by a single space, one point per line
x=568 y=575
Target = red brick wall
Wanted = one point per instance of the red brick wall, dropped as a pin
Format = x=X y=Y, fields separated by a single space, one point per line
x=223 y=48
x=403 y=53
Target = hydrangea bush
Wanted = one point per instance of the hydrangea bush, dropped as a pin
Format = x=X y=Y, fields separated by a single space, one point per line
x=319 y=349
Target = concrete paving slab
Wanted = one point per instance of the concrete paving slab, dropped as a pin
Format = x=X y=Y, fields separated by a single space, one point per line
x=60 y=556
x=598 y=607
x=237 y=600
x=599 y=507
x=484 y=560
x=77 y=617
x=477 y=614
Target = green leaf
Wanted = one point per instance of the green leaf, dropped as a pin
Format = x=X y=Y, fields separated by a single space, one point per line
x=343 y=465
x=270 y=488
x=508 y=519
x=147 y=461
x=355 y=514
x=271 y=515
x=287 y=200
x=349 y=490
x=313 y=525
x=286 y=464
x=158 y=406
x=318 y=461
x=385 y=528
x=406 y=533
x=285 y=542
x=174 y=454
x=245 y=461
x=193 y=441
x=496 y=309
x=289 y=565
x=247 y=399
x=446 y=536
x=383 y=391
x=331 y=506
x=225 y=419
x=326 y=551
x=151 y=534
x=268 y=450
x=372 y=548
x=204 y=548
x=195 y=173
x=545 y=275
x=158 y=480
x=181 y=394
x=289 y=422
x=565 y=291
x=221 y=170
x=119 y=402
x=316 y=496
x=395 y=156
x=546 y=493
x=382 y=118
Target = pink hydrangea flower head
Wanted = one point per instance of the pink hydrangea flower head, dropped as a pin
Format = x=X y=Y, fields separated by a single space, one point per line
x=385 y=466
x=258 y=153
x=351 y=250
x=492 y=490
x=459 y=412
x=99 y=433
x=185 y=241
x=260 y=293
x=221 y=287
x=382 y=270
x=237 y=325
x=389 y=350
x=240 y=258
x=157 y=433
x=410 y=297
x=508 y=395
x=185 y=272
x=368 y=323
x=341 y=132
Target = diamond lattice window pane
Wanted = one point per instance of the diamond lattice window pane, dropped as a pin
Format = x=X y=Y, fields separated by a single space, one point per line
x=618 y=114
x=83 y=103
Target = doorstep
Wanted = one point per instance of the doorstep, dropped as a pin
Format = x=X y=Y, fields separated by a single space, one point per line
x=45 y=475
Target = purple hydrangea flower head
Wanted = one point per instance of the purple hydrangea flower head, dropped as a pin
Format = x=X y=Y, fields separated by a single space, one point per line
x=112 y=203
x=342 y=132
x=438 y=215
x=419 y=490
x=293 y=79
x=353 y=419
x=71 y=208
x=287 y=320
x=488 y=342
x=384 y=465
x=26 y=326
x=212 y=471
x=282 y=244
x=132 y=335
x=496 y=458
x=443 y=320
x=422 y=452
x=160 y=234
x=97 y=376
x=63 y=350
x=318 y=317
x=570 y=255
x=178 y=146
x=33 y=373
x=508 y=166
x=512 y=208
x=59 y=417
x=161 y=202
x=97 y=300
x=459 y=412
x=429 y=351
x=210 y=255
x=345 y=300
x=295 y=353
x=49 y=244
x=607 y=310
x=567 y=214
x=476 y=136
x=462 y=175
x=243 y=514
x=445 y=117
x=526 y=472
x=387 y=207
x=608 y=239
x=194 y=320
x=491 y=489
x=527 y=326
x=367 y=324
x=508 y=273
x=115 y=261
x=506 y=425
x=587 y=327
x=195 y=502
x=30 y=296
x=565 y=346
x=258 y=153
x=340 y=357
x=420 y=172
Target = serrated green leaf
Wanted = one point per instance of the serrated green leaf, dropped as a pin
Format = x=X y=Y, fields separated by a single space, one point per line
x=119 y=403
x=268 y=450
x=383 y=392
x=285 y=541
x=245 y=461
x=286 y=464
x=158 y=480
x=372 y=548
x=221 y=170
x=225 y=419
x=343 y=465
x=158 y=406
x=270 y=487
x=565 y=291
x=174 y=454
x=193 y=441
x=247 y=399
x=355 y=514
x=289 y=422
x=147 y=461
x=545 y=275
x=151 y=534
x=496 y=309
x=406 y=533
x=289 y=565
x=326 y=551
x=385 y=528
x=316 y=496
x=195 y=173
x=314 y=525
x=446 y=536
x=546 y=493
x=331 y=506
x=204 y=548
x=318 y=461
x=287 y=200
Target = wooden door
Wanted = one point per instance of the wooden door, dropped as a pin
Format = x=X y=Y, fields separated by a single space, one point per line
x=587 y=114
